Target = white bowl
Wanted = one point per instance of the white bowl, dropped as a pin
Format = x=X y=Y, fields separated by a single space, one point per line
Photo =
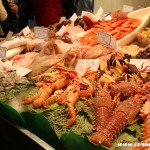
x=144 y=16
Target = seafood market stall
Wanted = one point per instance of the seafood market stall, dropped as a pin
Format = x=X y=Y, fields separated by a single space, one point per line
x=80 y=84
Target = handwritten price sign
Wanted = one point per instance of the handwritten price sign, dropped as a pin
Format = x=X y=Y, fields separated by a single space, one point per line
x=83 y=64
x=127 y=8
x=3 y=52
x=106 y=39
x=142 y=64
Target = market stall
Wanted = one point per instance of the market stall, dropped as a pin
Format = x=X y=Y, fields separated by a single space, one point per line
x=83 y=83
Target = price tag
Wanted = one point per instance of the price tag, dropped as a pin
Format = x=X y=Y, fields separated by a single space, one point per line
x=127 y=8
x=73 y=18
x=22 y=71
x=41 y=33
x=26 y=31
x=141 y=64
x=62 y=19
x=62 y=31
x=9 y=34
x=106 y=39
x=99 y=13
x=83 y=64
x=3 y=52
x=113 y=42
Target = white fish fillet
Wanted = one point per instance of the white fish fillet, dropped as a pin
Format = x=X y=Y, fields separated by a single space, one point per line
x=24 y=60
x=31 y=44
x=14 y=42
x=13 y=52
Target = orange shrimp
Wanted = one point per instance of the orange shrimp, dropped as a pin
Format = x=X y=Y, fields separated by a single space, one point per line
x=63 y=97
x=28 y=100
x=52 y=99
x=71 y=100
x=59 y=84
x=46 y=91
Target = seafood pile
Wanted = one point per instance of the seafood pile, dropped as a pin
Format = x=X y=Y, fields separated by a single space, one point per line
x=115 y=27
x=118 y=96
x=108 y=100
x=64 y=88
x=123 y=114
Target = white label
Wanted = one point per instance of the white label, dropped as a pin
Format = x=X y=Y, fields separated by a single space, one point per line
x=142 y=64
x=73 y=18
x=41 y=33
x=62 y=19
x=62 y=31
x=99 y=13
x=26 y=31
x=106 y=39
x=127 y=8
x=9 y=34
x=113 y=42
x=22 y=71
x=83 y=64
x=3 y=52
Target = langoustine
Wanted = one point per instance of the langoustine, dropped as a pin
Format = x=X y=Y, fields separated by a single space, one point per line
x=44 y=92
x=145 y=115
x=102 y=107
x=123 y=114
x=72 y=94
x=71 y=100
x=53 y=98
x=127 y=89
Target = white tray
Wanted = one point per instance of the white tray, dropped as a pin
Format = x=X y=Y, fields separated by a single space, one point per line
x=144 y=16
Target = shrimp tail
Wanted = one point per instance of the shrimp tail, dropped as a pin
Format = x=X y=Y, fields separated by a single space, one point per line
x=71 y=121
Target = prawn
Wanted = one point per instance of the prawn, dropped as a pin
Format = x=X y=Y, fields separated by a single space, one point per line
x=46 y=91
x=71 y=100
x=52 y=99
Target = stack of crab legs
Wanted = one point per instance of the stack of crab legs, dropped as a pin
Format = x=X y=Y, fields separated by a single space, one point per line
x=111 y=114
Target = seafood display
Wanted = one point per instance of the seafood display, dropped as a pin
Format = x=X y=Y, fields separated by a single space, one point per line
x=107 y=106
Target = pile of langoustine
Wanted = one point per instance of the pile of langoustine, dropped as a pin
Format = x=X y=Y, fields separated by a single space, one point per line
x=118 y=97
x=118 y=28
